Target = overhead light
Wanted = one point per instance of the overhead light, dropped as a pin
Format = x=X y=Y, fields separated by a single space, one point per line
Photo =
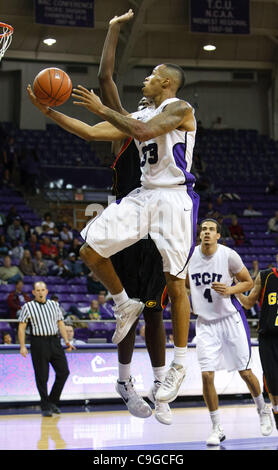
x=49 y=41
x=209 y=47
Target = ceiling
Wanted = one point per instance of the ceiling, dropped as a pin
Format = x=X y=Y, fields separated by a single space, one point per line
x=158 y=33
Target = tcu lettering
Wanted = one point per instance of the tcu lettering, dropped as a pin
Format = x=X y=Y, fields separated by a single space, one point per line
x=205 y=278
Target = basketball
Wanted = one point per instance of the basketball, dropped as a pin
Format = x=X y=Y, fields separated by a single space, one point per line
x=52 y=86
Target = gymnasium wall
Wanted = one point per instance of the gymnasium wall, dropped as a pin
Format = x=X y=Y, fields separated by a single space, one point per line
x=242 y=104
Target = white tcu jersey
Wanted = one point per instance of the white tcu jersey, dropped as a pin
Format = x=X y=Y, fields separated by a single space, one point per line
x=202 y=271
x=165 y=160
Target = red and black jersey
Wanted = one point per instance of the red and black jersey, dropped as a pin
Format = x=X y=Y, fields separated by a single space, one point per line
x=269 y=302
x=126 y=170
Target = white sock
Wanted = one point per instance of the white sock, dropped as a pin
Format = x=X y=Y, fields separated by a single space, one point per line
x=120 y=298
x=159 y=373
x=215 y=417
x=259 y=401
x=180 y=355
x=124 y=372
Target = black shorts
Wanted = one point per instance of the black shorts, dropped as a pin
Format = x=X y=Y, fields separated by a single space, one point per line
x=268 y=348
x=140 y=270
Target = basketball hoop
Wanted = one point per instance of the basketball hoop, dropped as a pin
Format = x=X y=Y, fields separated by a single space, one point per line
x=6 y=35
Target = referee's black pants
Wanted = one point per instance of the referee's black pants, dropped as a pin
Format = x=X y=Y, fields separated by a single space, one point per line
x=47 y=350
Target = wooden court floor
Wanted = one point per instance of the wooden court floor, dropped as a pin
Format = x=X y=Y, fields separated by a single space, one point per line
x=118 y=430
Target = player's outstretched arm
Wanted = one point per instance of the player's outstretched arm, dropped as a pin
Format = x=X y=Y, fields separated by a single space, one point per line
x=248 y=301
x=109 y=92
x=176 y=115
x=102 y=131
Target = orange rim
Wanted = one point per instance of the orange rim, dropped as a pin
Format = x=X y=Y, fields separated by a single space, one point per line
x=6 y=33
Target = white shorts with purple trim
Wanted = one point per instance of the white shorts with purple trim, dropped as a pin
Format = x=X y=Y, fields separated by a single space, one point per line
x=168 y=215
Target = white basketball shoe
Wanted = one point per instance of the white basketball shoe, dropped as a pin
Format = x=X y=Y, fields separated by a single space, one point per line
x=126 y=314
x=217 y=436
x=135 y=404
x=162 y=411
x=265 y=420
x=169 y=389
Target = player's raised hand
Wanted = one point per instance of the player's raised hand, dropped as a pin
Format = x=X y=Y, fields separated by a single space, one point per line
x=122 y=19
x=42 y=107
x=87 y=99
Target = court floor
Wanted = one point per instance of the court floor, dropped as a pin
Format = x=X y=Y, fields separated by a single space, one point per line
x=118 y=430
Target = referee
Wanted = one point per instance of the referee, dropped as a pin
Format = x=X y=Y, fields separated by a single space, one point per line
x=265 y=291
x=46 y=319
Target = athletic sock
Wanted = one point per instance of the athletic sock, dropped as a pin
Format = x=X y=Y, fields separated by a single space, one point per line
x=124 y=372
x=120 y=298
x=259 y=401
x=180 y=356
x=215 y=418
x=159 y=373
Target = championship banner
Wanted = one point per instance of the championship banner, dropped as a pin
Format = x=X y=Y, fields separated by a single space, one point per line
x=65 y=12
x=220 y=16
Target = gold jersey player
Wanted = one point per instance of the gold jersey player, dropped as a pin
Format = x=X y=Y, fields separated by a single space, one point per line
x=139 y=266
x=164 y=206
x=265 y=291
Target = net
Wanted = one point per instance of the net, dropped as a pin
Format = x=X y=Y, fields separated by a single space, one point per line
x=6 y=35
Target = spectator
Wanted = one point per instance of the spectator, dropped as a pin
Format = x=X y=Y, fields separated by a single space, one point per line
x=75 y=267
x=75 y=247
x=71 y=338
x=94 y=285
x=271 y=187
x=105 y=308
x=2 y=219
x=91 y=312
x=60 y=269
x=6 y=339
x=236 y=231
x=66 y=234
x=10 y=273
x=212 y=213
x=47 y=225
x=9 y=153
x=16 y=299
x=4 y=246
x=12 y=214
x=27 y=230
x=250 y=212
x=32 y=168
x=16 y=252
x=33 y=245
x=26 y=264
x=39 y=266
x=62 y=251
x=15 y=231
x=225 y=232
x=94 y=311
x=48 y=249
x=273 y=223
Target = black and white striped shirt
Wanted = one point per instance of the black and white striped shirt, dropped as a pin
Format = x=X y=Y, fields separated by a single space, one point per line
x=42 y=316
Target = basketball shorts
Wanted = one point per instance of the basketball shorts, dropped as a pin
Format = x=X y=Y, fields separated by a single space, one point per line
x=222 y=344
x=139 y=268
x=268 y=349
x=168 y=215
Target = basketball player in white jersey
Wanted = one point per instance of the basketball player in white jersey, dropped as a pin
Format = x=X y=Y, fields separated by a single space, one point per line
x=222 y=333
x=165 y=206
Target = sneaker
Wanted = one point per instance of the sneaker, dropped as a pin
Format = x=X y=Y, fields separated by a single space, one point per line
x=275 y=416
x=265 y=421
x=216 y=436
x=54 y=409
x=169 y=389
x=162 y=411
x=135 y=404
x=126 y=315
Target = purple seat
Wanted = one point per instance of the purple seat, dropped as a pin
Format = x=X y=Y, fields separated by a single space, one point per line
x=82 y=333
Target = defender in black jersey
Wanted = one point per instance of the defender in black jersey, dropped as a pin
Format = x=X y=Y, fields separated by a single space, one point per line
x=265 y=291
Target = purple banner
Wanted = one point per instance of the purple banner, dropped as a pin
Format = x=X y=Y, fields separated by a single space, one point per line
x=65 y=12
x=220 y=16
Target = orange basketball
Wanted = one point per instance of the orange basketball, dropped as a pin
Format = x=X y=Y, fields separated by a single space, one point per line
x=52 y=87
